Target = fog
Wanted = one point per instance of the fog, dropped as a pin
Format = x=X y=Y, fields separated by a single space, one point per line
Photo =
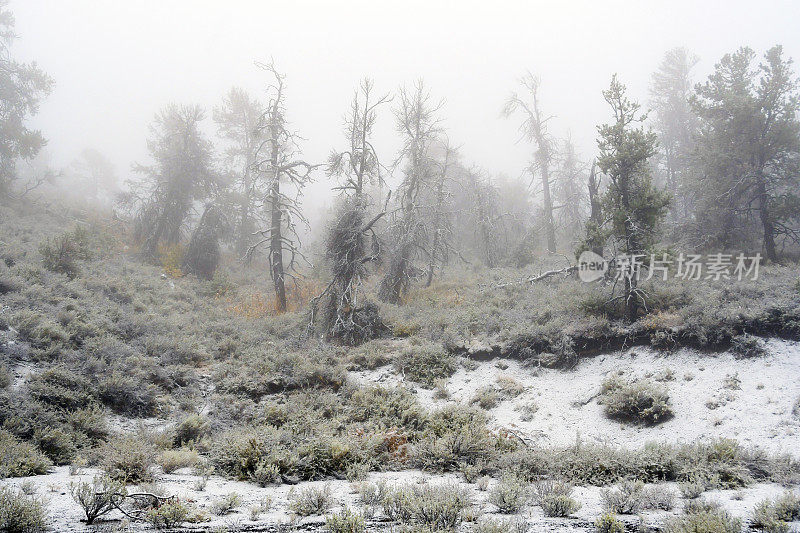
x=115 y=64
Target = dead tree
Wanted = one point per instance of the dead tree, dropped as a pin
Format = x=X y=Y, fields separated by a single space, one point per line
x=419 y=126
x=441 y=223
x=276 y=162
x=534 y=127
x=348 y=247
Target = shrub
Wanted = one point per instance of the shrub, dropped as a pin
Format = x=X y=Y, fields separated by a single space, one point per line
x=345 y=521
x=628 y=498
x=747 y=346
x=20 y=513
x=516 y=525
x=19 y=459
x=555 y=498
x=773 y=516
x=486 y=397
x=608 y=523
x=266 y=474
x=127 y=395
x=96 y=498
x=704 y=521
x=796 y=408
x=509 y=495
x=56 y=444
x=191 y=429
x=433 y=507
x=787 y=507
x=5 y=376
x=61 y=388
x=226 y=504
x=127 y=458
x=168 y=515
x=310 y=500
x=425 y=364
x=172 y=460
x=659 y=497
x=562 y=506
x=638 y=401
x=691 y=489
x=62 y=253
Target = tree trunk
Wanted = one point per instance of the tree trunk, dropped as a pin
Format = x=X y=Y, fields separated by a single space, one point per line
x=550 y=228
x=595 y=216
x=276 y=247
x=766 y=221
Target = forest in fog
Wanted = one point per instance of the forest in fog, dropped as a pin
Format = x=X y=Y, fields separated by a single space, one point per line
x=476 y=296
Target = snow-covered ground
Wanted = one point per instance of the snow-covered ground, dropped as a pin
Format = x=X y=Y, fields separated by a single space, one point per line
x=65 y=515
x=566 y=406
x=758 y=412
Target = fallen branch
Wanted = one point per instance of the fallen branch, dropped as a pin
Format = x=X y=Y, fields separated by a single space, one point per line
x=566 y=270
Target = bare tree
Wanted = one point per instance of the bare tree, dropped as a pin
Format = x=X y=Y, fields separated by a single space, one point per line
x=347 y=246
x=440 y=216
x=534 y=127
x=569 y=195
x=276 y=161
x=419 y=126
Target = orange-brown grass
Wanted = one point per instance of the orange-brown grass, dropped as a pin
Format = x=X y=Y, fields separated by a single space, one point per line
x=257 y=304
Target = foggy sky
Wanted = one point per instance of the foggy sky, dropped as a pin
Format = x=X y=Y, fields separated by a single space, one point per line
x=116 y=63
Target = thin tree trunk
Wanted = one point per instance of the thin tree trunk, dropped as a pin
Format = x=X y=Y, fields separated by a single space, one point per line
x=276 y=247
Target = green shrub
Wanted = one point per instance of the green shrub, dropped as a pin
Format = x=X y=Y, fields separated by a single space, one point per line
x=704 y=521
x=191 y=429
x=628 y=498
x=747 y=346
x=430 y=506
x=425 y=364
x=127 y=395
x=486 y=397
x=310 y=500
x=56 y=444
x=61 y=388
x=637 y=401
x=345 y=521
x=266 y=474
x=555 y=498
x=608 y=523
x=692 y=489
x=168 y=515
x=773 y=516
x=20 y=513
x=226 y=504
x=511 y=525
x=510 y=495
x=96 y=498
x=469 y=444
x=127 y=458
x=62 y=253
x=659 y=497
x=19 y=459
